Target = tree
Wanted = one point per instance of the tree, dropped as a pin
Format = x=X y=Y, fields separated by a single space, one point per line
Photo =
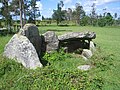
x=101 y=22
x=118 y=21
x=74 y=17
x=27 y=8
x=78 y=9
x=5 y=12
x=59 y=14
x=43 y=18
x=115 y=15
x=21 y=12
x=78 y=13
x=115 y=18
x=93 y=15
x=109 y=19
x=33 y=10
x=69 y=14
x=104 y=14
x=17 y=7
x=85 y=20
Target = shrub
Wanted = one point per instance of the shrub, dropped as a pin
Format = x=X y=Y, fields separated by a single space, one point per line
x=56 y=56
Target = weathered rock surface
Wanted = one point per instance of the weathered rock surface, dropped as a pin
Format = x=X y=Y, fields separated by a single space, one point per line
x=77 y=35
x=27 y=47
x=51 y=41
x=86 y=54
x=84 y=67
x=22 y=50
x=92 y=47
x=32 y=33
x=76 y=40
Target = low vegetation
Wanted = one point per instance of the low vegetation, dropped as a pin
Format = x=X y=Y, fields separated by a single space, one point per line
x=61 y=72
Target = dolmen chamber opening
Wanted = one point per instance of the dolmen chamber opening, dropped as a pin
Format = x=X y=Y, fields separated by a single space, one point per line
x=28 y=46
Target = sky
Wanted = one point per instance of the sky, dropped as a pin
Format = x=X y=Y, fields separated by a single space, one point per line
x=113 y=6
x=46 y=7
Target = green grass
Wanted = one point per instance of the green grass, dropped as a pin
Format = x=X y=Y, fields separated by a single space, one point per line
x=3 y=41
x=62 y=74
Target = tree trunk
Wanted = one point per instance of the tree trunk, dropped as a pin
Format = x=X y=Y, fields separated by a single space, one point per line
x=24 y=12
x=7 y=15
x=34 y=12
x=57 y=22
x=21 y=12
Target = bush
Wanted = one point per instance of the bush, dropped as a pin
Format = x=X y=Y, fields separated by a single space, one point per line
x=101 y=22
x=56 y=56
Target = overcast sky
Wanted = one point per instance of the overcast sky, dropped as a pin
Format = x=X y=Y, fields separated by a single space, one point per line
x=112 y=6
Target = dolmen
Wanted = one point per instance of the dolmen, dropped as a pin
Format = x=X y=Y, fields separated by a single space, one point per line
x=75 y=40
x=28 y=46
x=80 y=42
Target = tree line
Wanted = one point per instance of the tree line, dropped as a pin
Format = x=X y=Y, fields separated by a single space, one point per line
x=28 y=12
x=79 y=17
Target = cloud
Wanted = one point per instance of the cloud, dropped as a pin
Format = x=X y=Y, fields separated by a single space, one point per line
x=101 y=2
x=67 y=1
x=49 y=9
x=98 y=2
x=65 y=7
x=87 y=5
x=39 y=5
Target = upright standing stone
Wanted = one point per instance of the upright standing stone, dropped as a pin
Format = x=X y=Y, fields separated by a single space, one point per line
x=92 y=47
x=51 y=41
x=22 y=50
x=32 y=33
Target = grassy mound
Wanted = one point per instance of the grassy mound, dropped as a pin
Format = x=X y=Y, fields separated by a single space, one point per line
x=61 y=73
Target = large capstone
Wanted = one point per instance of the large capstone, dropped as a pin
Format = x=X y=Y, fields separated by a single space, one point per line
x=51 y=42
x=74 y=41
x=77 y=36
x=22 y=50
x=32 y=33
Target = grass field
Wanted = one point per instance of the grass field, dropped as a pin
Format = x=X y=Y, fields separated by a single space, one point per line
x=62 y=74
